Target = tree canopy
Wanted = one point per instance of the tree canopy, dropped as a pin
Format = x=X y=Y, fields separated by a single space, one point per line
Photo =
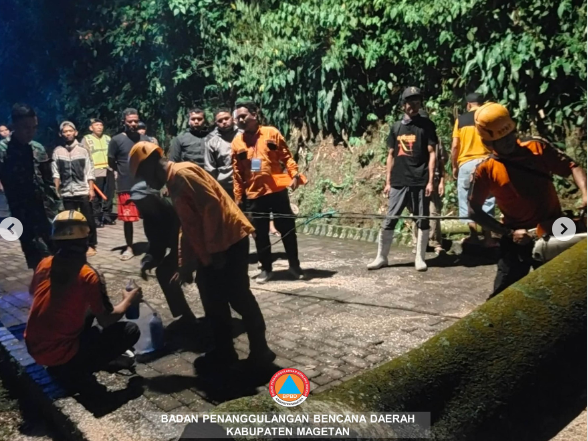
x=333 y=66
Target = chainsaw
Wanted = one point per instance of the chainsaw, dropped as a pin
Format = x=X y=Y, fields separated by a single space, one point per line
x=548 y=246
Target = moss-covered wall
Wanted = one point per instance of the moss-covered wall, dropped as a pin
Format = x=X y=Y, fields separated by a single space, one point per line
x=513 y=369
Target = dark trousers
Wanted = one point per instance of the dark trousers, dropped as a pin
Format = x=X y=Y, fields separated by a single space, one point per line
x=35 y=240
x=101 y=208
x=82 y=203
x=226 y=288
x=98 y=347
x=276 y=203
x=174 y=295
x=412 y=198
x=514 y=263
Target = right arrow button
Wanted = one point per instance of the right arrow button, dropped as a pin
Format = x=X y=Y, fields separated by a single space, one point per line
x=564 y=229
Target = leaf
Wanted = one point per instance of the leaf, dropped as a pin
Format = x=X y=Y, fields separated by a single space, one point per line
x=522 y=100
x=561 y=9
x=543 y=87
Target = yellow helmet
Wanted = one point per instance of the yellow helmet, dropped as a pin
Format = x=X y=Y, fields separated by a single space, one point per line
x=493 y=121
x=141 y=151
x=69 y=225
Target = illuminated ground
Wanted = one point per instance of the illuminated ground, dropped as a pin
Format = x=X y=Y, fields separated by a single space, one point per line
x=338 y=323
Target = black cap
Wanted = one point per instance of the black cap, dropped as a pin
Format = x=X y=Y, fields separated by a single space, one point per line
x=140 y=191
x=96 y=120
x=410 y=92
x=141 y=125
x=475 y=98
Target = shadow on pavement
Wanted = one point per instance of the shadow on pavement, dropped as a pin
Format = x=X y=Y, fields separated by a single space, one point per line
x=138 y=248
x=253 y=258
x=218 y=386
x=309 y=274
x=469 y=258
x=100 y=401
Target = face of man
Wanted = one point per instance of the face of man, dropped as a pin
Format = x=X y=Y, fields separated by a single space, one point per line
x=151 y=171
x=25 y=129
x=131 y=123
x=224 y=121
x=142 y=131
x=196 y=120
x=412 y=105
x=69 y=134
x=97 y=129
x=4 y=132
x=504 y=146
x=246 y=120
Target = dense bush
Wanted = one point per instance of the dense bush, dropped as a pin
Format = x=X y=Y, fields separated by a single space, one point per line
x=334 y=66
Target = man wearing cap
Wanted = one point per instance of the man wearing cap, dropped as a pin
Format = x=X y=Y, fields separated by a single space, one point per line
x=259 y=155
x=467 y=151
x=519 y=174
x=97 y=145
x=410 y=171
x=68 y=293
x=118 y=159
x=142 y=129
x=73 y=173
x=162 y=228
x=25 y=173
x=215 y=242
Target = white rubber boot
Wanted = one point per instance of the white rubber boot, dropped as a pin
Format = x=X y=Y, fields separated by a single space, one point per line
x=384 y=244
x=422 y=241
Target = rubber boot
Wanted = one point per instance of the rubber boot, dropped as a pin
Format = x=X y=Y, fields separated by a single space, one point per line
x=384 y=243
x=419 y=259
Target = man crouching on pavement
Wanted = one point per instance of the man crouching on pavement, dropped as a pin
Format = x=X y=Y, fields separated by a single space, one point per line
x=215 y=240
x=59 y=332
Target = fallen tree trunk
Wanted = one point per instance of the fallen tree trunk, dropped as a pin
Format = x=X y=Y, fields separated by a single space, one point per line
x=513 y=369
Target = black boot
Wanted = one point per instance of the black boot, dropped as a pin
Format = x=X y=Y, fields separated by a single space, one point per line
x=259 y=351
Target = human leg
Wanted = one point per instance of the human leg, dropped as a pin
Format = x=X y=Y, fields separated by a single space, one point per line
x=396 y=203
x=174 y=295
x=420 y=206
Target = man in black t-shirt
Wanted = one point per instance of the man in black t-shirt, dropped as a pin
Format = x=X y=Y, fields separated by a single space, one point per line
x=119 y=148
x=410 y=170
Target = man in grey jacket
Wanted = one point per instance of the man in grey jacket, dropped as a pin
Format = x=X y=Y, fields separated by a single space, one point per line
x=189 y=146
x=217 y=156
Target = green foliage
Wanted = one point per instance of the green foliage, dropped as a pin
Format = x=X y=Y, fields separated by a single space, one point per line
x=331 y=66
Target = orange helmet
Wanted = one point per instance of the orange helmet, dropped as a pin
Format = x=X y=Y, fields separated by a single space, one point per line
x=493 y=121
x=141 y=151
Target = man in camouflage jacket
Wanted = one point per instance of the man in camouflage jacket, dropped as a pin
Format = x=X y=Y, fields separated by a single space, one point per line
x=25 y=172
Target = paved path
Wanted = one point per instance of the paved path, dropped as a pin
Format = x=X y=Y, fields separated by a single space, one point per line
x=340 y=322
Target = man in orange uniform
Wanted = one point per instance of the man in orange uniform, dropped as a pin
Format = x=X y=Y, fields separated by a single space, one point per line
x=257 y=156
x=65 y=288
x=215 y=242
x=519 y=175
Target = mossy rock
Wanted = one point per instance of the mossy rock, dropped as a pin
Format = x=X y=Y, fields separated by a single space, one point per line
x=513 y=369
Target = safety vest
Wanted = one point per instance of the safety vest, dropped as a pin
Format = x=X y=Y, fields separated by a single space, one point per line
x=98 y=150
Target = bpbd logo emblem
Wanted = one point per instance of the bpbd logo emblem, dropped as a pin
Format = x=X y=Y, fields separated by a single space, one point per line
x=289 y=387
